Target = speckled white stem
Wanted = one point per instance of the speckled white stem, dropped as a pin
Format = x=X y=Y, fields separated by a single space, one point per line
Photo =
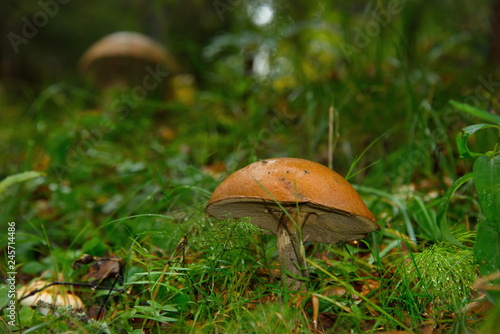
x=289 y=244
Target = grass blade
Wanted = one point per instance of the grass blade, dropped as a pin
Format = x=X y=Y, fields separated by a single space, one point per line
x=18 y=178
x=482 y=114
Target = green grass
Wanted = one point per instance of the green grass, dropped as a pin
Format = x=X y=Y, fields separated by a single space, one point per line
x=134 y=183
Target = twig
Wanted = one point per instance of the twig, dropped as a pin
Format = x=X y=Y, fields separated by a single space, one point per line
x=333 y=128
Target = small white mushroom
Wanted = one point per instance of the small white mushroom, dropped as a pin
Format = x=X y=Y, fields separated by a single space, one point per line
x=55 y=295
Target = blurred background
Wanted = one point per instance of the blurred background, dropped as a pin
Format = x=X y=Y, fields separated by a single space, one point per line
x=198 y=31
x=257 y=79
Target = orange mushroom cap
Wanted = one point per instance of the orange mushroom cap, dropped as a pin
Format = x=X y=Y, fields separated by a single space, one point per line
x=337 y=211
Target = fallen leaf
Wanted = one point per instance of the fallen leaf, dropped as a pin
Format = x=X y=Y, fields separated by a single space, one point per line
x=484 y=283
x=335 y=291
x=102 y=267
x=479 y=307
x=327 y=320
x=365 y=287
x=96 y=312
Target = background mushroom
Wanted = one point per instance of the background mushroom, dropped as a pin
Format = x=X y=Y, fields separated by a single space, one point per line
x=122 y=59
x=296 y=200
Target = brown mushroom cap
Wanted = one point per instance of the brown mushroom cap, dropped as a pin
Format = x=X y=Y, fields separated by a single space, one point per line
x=337 y=211
x=123 y=52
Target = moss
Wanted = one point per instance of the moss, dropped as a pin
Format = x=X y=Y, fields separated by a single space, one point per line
x=439 y=277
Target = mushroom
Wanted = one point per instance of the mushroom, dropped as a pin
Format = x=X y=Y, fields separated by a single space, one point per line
x=37 y=291
x=122 y=59
x=297 y=200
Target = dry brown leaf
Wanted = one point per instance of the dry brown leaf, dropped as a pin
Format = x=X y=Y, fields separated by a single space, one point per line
x=270 y=298
x=273 y=272
x=428 y=328
x=334 y=291
x=479 y=307
x=327 y=320
x=366 y=286
x=483 y=283
x=180 y=250
x=102 y=267
x=96 y=312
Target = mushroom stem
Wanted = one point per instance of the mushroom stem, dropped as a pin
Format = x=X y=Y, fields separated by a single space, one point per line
x=289 y=242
